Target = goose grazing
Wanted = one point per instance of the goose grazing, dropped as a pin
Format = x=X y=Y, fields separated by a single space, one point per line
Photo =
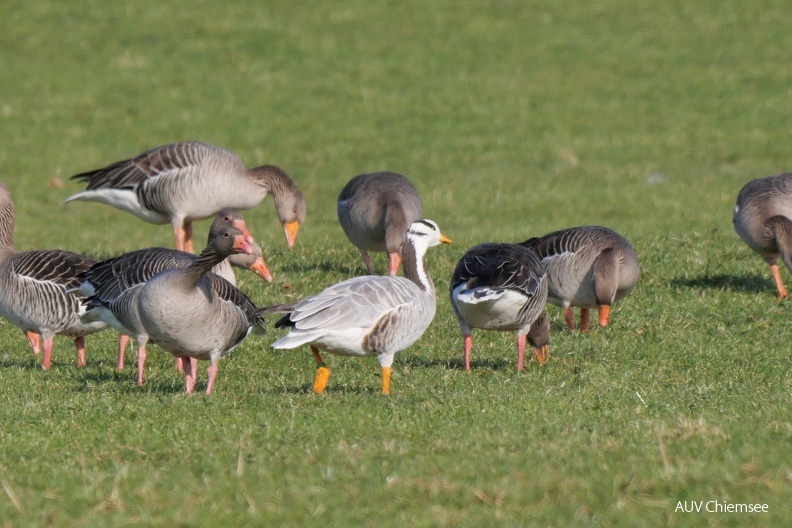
x=34 y=290
x=586 y=267
x=502 y=287
x=193 y=313
x=375 y=211
x=763 y=219
x=183 y=182
x=372 y=315
x=114 y=284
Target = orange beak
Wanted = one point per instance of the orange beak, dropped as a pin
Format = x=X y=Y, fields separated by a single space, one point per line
x=260 y=269
x=542 y=354
x=241 y=245
x=291 y=229
x=242 y=226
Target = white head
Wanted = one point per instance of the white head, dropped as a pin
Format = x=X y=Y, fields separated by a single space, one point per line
x=425 y=234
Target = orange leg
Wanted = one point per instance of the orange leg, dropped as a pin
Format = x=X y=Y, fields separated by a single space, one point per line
x=212 y=374
x=322 y=372
x=46 y=360
x=35 y=342
x=604 y=314
x=79 y=344
x=189 y=378
x=141 y=363
x=520 y=351
x=584 y=319
x=467 y=345
x=367 y=261
x=774 y=269
x=386 y=377
x=188 y=240
x=122 y=344
x=569 y=317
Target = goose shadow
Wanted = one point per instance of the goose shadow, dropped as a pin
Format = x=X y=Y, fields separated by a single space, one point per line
x=726 y=282
x=496 y=364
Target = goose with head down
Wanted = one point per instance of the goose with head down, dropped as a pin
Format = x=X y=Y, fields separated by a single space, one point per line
x=763 y=219
x=183 y=182
x=371 y=315
x=193 y=313
x=34 y=290
x=502 y=287
x=587 y=267
x=375 y=210
x=113 y=285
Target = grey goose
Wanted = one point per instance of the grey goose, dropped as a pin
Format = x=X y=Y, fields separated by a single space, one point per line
x=587 y=267
x=113 y=285
x=763 y=219
x=375 y=210
x=183 y=182
x=34 y=289
x=193 y=313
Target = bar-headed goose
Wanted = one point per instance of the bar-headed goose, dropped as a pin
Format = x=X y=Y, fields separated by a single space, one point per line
x=114 y=284
x=372 y=315
x=193 y=313
x=189 y=181
x=502 y=287
x=763 y=219
x=375 y=211
x=587 y=267
x=34 y=289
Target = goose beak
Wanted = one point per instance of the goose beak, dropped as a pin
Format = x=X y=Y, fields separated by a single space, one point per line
x=241 y=245
x=444 y=239
x=542 y=354
x=242 y=226
x=291 y=232
x=394 y=261
x=260 y=269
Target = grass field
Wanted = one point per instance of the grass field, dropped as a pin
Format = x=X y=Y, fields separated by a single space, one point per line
x=513 y=119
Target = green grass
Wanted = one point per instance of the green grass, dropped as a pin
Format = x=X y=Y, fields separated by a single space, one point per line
x=512 y=119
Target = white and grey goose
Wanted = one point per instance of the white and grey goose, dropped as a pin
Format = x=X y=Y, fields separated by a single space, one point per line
x=502 y=287
x=371 y=315
x=375 y=210
x=34 y=289
x=183 y=182
x=587 y=267
x=193 y=313
x=763 y=219
x=113 y=285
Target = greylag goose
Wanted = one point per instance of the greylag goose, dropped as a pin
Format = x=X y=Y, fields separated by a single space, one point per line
x=183 y=182
x=193 y=313
x=372 y=315
x=501 y=287
x=763 y=219
x=114 y=284
x=34 y=289
x=587 y=267
x=375 y=211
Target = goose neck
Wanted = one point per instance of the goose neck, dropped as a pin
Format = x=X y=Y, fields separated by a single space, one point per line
x=414 y=263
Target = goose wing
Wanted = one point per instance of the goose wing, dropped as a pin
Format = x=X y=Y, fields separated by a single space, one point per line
x=155 y=163
x=499 y=266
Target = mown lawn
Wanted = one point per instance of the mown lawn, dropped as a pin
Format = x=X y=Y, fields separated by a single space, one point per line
x=513 y=119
